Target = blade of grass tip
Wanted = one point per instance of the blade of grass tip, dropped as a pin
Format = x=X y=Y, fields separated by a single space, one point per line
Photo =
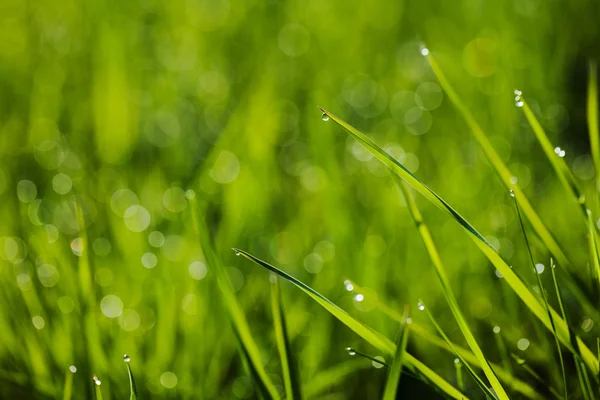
x=502 y=350
x=511 y=278
x=393 y=378
x=68 y=389
x=288 y=366
x=97 y=390
x=592 y=119
x=447 y=289
x=373 y=337
x=545 y=297
x=574 y=344
x=248 y=346
x=488 y=392
x=509 y=182
x=132 y=387
x=504 y=373
x=459 y=375
x=554 y=154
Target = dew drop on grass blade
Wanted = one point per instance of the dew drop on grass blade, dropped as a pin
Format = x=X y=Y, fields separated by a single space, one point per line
x=68 y=388
x=373 y=337
x=517 y=285
x=132 y=387
x=97 y=390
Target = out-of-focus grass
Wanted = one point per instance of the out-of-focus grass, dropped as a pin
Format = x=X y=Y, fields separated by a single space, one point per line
x=127 y=110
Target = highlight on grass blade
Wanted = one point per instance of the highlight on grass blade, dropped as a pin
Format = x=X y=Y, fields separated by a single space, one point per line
x=132 y=387
x=68 y=388
x=511 y=278
x=592 y=118
x=393 y=378
x=373 y=337
x=447 y=288
x=289 y=369
x=248 y=348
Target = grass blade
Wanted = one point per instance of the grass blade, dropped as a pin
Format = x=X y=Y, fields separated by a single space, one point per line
x=545 y=298
x=325 y=380
x=594 y=253
x=68 y=388
x=592 y=118
x=447 y=290
x=97 y=390
x=248 y=346
x=393 y=378
x=528 y=298
x=476 y=377
x=288 y=366
x=373 y=337
x=555 y=156
x=132 y=387
x=507 y=179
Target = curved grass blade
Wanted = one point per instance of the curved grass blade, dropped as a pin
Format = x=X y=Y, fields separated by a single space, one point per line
x=545 y=297
x=373 y=337
x=248 y=347
x=592 y=118
x=132 y=387
x=459 y=377
x=393 y=378
x=594 y=253
x=506 y=177
x=353 y=352
x=488 y=392
x=68 y=388
x=291 y=379
x=447 y=290
x=556 y=159
x=528 y=298
x=416 y=329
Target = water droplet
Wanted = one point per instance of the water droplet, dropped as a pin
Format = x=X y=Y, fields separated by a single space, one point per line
x=409 y=320
x=582 y=200
x=539 y=268
x=351 y=351
x=456 y=361
x=237 y=253
x=349 y=286
x=96 y=380
x=378 y=364
x=512 y=193
x=424 y=51
x=514 y=180
x=126 y=358
x=559 y=152
x=421 y=306
x=517 y=98
x=325 y=117
x=523 y=344
x=518 y=92
x=359 y=297
x=496 y=329
x=519 y=104
x=73 y=368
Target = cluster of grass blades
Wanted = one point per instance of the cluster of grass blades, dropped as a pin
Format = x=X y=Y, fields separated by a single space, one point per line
x=498 y=380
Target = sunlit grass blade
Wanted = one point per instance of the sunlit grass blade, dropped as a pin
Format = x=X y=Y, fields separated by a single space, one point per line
x=459 y=377
x=470 y=369
x=507 y=179
x=555 y=156
x=373 y=337
x=97 y=390
x=132 y=388
x=545 y=298
x=248 y=346
x=594 y=253
x=332 y=377
x=592 y=118
x=395 y=370
x=520 y=289
x=291 y=379
x=68 y=388
x=447 y=290
x=505 y=374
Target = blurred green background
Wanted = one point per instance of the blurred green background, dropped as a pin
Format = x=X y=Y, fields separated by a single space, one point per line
x=131 y=108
